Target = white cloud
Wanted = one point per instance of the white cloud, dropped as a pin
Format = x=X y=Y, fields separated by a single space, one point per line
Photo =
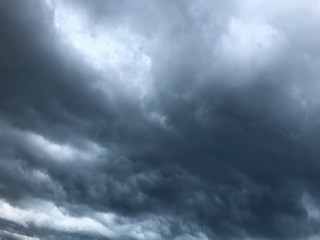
x=248 y=47
x=45 y=148
x=111 y=51
x=17 y=236
x=62 y=152
x=46 y=214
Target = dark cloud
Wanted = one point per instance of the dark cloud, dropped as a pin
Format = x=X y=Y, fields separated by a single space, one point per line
x=159 y=120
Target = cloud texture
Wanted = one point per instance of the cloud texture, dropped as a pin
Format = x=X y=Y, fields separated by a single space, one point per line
x=151 y=120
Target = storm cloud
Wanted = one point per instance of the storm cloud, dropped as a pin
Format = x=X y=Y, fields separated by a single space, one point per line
x=151 y=120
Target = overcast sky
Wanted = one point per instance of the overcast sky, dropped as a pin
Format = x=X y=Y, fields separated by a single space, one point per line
x=159 y=119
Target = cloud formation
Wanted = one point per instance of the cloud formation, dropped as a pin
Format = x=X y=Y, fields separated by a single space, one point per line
x=159 y=120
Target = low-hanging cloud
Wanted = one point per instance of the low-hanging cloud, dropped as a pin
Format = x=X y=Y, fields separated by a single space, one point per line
x=159 y=119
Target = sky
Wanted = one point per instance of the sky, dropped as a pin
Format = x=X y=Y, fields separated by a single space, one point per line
x=159 y=120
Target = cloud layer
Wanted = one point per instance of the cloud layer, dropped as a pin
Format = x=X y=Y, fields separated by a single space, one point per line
x=159 y=120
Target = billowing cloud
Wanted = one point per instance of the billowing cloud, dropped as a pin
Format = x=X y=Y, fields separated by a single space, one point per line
x=159 y=120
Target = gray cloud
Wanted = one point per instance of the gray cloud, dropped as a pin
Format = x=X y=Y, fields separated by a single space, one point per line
x=159 y=120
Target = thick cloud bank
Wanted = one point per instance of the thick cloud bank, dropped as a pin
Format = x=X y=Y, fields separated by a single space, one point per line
x=153 y=120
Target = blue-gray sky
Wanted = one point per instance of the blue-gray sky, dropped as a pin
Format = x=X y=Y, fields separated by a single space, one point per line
x=153 y=120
